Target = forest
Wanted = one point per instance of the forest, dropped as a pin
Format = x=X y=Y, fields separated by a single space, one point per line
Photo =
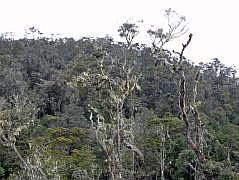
x=97 y=109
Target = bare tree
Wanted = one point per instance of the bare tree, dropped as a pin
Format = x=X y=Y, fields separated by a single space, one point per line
x=190 y=116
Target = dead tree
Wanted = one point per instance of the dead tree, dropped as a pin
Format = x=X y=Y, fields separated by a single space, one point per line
x=189 y=112
x=190 y=115
x=194 y=129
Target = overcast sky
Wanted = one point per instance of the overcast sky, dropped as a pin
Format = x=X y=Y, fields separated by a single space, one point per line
x=214 y=23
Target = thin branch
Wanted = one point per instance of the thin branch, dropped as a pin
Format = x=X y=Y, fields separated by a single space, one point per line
x=184 y=47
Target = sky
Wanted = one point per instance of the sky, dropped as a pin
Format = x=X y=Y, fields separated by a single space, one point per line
x=213 y=23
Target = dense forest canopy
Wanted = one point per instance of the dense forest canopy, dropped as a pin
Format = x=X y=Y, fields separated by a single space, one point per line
x=94 y=108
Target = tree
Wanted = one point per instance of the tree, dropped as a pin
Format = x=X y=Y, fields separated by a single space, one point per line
x=112 y=127
x=17 y=114
x=189 y=113
x=128 y=31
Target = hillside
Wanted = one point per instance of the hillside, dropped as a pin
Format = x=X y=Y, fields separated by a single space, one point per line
x=94 y=108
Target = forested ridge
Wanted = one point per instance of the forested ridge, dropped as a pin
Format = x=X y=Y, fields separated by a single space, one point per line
x=94 y=108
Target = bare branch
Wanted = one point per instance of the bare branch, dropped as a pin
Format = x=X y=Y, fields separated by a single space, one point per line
x=184 y=47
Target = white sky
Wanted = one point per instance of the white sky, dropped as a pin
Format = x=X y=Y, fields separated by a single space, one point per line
x=214 y=23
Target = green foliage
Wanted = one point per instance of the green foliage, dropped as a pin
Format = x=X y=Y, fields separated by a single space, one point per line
x=35 y=75
x=128 y=31
x=217 y=170
x=184 y=163
x=2 y=171
x=67 y=149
